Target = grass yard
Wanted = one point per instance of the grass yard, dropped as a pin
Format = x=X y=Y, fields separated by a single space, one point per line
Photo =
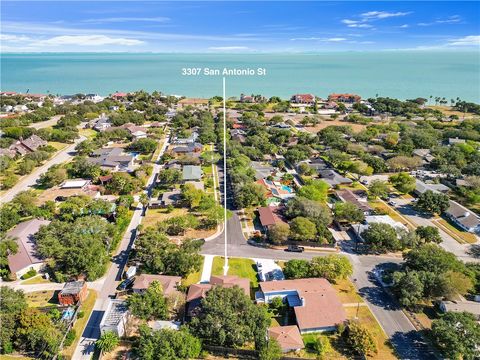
x=39 y=279
x=346 y=292
x=42 y=298
x=194 y=277
x=14 y=357
x=463 y=237
x=309 y=353
x=366 y=318
x=88 y=133
x=79 y=326
x=243 y=268
x=57 y=145
x=154 y=216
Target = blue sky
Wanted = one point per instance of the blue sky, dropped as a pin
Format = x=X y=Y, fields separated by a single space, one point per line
x=238 y=26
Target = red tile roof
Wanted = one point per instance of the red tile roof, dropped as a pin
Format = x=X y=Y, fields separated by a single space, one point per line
x=268 y=216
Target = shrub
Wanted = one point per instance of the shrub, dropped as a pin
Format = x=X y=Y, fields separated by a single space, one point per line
x=29 y=274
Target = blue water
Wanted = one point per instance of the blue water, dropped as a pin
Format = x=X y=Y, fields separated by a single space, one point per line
x=400 y=74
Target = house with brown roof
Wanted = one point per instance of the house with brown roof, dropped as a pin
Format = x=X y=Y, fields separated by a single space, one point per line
x=269 y=216
x=169 y=283
x=307 y=99
x=314 y=301
x=197 y=292
x=23 y=147
x=353 y=198
x=288 y=337
x=344 y=98
x=26 y=257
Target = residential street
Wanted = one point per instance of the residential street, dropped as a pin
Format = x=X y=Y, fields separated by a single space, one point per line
x=47 y=123
x=31 y=179
x=91 y=333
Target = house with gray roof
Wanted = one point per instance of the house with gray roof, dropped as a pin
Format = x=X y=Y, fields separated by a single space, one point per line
x=192 y=173
x=262 y=170
x=113 y=159
x=115 y=317
x=26 y=257
x=463 y=217
x=333 y=178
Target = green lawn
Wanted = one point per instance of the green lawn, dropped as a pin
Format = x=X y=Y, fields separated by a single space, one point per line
x=42 y=298
x=236 y=266
x=38 y=279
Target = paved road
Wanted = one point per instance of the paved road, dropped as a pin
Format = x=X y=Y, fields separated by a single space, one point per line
x=405 y=208
x=31 y=179
x=91 y=333
x=47 y=123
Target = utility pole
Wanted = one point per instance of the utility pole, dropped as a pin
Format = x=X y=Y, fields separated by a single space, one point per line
x=225 y=266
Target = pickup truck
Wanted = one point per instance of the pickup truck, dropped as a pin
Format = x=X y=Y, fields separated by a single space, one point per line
x=295 y=248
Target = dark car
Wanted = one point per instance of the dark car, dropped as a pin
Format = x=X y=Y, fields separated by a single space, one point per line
x=295 y=248
x=125 y=284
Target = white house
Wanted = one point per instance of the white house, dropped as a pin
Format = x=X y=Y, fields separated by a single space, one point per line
x=115 y=318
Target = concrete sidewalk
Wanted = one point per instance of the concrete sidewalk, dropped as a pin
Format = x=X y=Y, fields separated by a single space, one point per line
x=207 y=269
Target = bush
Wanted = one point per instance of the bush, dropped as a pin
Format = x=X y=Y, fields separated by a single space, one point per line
x=29 y=274
x=70 y=338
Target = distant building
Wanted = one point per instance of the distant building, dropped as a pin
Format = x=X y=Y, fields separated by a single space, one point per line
x=307 y=99
x=115 y=318
x=288 y=337
x=455 y=141
x=168 y=198
x=119 y=96
x=103 y=123
x=26 y=257
x=72 y=293
x=314 y=301
x=344 y=98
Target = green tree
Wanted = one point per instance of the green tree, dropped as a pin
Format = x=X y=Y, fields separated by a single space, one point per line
x=144 y=146
x=271 y=351
x=278 y=233
x=433 y=202
x=169 y=177
x=315 y=190
x=331 y=267
x=192 y=196
x=149 y=305
x=311 y=209
x=296 y=269
x=250 y=195
x=229 y=318
x=409 y=288
x=166 y=344
x=360 y=339
x=303 y=229
x=107 y=341
x=13 y=304
x=123 y=184
x=348 y=212
x=8 y=246
x=55 y=175
x=210 y=157
x=36 y=332
x=428 y=234
x=457 y=335
x=403 y=182
x=381 y=237
x=378 y=188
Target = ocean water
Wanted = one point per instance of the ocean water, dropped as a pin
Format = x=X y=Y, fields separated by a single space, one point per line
x=399 y=74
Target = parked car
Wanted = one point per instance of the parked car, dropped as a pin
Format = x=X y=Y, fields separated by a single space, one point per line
x=392 y=203
x=125 y=284
x=131 y=272
x=295 y=248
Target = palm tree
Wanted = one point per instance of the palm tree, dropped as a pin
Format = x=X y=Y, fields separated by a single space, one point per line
x=108 y=341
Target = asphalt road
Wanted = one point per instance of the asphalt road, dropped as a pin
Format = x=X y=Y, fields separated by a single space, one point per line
x=47 y=123
x=31 y=179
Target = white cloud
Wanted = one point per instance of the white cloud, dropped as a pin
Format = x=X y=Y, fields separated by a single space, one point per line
x=87 y=40
x=158 y=19
x=228 y=48
x=361 y=26
x=404 y=26
x=382 y=14
x=13 y=38
x=454 y=19
x=471 y=40
x=334 y=39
